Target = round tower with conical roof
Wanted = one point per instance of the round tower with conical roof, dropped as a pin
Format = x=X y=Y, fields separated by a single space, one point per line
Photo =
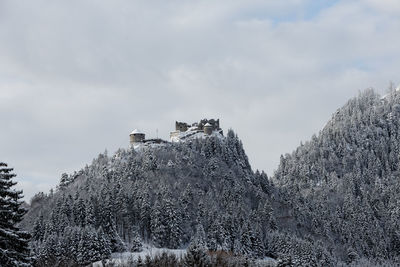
x=208 y=128
x=136 y=136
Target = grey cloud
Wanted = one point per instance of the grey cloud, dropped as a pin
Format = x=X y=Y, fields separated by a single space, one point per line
x=76 y=77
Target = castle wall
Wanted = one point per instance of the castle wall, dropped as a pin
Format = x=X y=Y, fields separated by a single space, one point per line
x=174 y=134
x=183 y=126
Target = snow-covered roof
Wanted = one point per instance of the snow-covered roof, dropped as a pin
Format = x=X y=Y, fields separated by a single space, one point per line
x=207 y=125
x=136 y=131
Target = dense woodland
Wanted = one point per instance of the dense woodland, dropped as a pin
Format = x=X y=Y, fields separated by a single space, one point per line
x=343 y=186
x=334 y=201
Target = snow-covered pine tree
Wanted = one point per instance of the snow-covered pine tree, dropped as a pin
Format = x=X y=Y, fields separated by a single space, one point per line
x=144 y=211
x=64 y=181
x=38 y=229
x=196 y=255
x=80 y=212
x=159 y=229
x=200 y=236
x=174 y=224
x=139 y=262
x=245 y=240
x=136 y=243
x=89 y=220
x=105 y=245
x=14 y=250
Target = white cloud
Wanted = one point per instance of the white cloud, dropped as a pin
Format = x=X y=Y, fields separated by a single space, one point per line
x=386 y=6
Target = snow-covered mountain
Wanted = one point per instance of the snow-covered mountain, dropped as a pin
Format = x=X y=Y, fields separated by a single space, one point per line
x=333 y=201
x=160 y=195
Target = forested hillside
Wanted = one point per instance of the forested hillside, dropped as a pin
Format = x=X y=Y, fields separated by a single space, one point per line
x=161 y=195
x=343 y=186
x=335 y=200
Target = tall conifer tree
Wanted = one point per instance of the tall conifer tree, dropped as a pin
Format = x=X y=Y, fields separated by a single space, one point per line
x=14 y=249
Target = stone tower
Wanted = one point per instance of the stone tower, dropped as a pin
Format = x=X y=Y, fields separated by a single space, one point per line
x=136 y=136
x=208 y=128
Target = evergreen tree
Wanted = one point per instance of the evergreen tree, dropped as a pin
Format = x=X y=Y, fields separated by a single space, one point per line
x=200 y=237
x=38 y=230
x=139 y=262
x=89 y=219
x=136 y=244
x=64 y=181
x=174 y=223
x=159 y=230
x=104 y=244
x=14 y=249
x=196 y=256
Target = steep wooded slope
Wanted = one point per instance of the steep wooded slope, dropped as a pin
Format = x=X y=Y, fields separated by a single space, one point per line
x=343 y=186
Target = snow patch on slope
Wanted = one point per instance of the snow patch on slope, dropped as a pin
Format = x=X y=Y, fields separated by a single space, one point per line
x=126 y=258
x=193 y=134
x=122 y=259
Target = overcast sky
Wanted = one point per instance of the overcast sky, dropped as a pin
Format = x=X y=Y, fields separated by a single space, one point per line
x=77 y=76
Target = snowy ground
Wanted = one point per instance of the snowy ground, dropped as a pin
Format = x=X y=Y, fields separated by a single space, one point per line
x=190 y=135
x=121 y=259
x=266 y=262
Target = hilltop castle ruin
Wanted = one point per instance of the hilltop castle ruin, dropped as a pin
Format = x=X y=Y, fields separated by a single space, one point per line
x=182 y=131
x=206 y=126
